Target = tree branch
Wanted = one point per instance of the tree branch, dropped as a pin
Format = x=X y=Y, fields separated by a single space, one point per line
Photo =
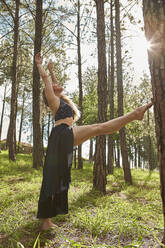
x=32 y=14
x=8 y=8
x=6 y=21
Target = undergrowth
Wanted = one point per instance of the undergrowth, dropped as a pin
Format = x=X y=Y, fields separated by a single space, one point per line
x=127 y=216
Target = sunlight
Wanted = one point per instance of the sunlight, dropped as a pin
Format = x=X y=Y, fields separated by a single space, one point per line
x=147 y=44
x=141 y=44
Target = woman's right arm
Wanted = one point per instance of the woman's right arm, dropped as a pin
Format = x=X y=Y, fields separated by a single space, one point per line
x=52 y=99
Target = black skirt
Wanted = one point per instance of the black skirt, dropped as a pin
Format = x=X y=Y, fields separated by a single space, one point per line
x=53 y=198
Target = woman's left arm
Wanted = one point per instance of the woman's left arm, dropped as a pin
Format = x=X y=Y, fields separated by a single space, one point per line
x=50 y=68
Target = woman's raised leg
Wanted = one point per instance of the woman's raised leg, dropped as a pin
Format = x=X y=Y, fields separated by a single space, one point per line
x=83 y=133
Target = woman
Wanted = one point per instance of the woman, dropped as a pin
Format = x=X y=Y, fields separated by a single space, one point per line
x=56 y=173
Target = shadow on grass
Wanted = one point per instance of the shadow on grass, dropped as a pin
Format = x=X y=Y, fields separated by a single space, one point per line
x=82 y=175
x=147 y=182
x=28 y=233
x=23 y=162
x=86 y=199
x=26 y=236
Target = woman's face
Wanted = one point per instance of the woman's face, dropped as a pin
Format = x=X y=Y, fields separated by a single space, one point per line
x=57 y=89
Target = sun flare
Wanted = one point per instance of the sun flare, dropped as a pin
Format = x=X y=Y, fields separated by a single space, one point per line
x=147 y=44
x=142 y=44
x=140 y=47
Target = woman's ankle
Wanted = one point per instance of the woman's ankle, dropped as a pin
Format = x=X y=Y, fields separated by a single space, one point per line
x=45 y=220
x=46 y=224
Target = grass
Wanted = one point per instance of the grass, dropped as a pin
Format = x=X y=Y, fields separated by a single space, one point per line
x=127 y=216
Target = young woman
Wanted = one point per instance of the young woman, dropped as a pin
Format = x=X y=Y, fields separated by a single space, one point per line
x=56 y=172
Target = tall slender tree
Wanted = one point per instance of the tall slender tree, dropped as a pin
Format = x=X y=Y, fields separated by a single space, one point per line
x=3 y=109
x=91 y=150
x=154 y=25
x=150 y=146
x=37 y=136
x=124 y=152
x=21 y=119
x=80 y=160
x=12 y=124
x=111 y=80
x=117 y=152
x=99 y=179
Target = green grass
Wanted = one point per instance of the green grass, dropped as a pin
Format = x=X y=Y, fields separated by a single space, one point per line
x=127 y=216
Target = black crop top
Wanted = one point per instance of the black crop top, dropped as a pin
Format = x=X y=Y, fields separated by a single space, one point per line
x=64 y=111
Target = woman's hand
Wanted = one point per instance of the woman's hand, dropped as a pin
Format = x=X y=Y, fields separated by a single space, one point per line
x=38 y=59
x=50 y=65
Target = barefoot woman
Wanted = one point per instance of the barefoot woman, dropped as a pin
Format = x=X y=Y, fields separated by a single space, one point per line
x=56 y=172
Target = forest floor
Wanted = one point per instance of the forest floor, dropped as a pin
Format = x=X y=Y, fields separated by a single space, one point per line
x=127 y=216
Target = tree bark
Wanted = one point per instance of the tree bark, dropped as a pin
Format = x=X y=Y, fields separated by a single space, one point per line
x=12 y=125
x=150 y=149
x=42 y=131
x=154 y=25
x=150 y=153
x=80 y=160
x=3 y=109
x=111 y=79
x=21 y=121
x=91 y=150
x=118 y=154
x=99 y=172
x=135 y=156
x=37 y=136
x=139 y=153
x=122 y=135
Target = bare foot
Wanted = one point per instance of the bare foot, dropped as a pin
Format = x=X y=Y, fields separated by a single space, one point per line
x=139 y=112
x=46 y=224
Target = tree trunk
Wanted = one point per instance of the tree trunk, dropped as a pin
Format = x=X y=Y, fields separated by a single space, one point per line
x=99 y=172
x=118 y=154
x=111 y=80
x=21 y=121
x=91 y=150
x=80 y=160
x=37 y=137
x=139 y=154
x=115 y=153
x=150 y=150
x=124 y=152
x=12 y=125
x=154 y=16
x=42 y=131
x=2 y=114
x=3 y=109
x=135 y=156
x=150 y=154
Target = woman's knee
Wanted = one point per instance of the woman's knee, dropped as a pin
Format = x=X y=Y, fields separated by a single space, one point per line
x=97 y=129
x=83 y=133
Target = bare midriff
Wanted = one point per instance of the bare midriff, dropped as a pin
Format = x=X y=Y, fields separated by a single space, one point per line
x=69 y=121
